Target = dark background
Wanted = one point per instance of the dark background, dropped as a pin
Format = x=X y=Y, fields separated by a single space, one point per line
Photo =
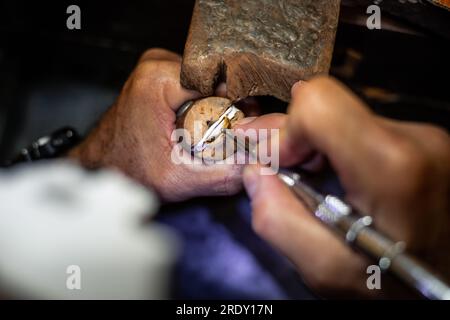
x=51 y=76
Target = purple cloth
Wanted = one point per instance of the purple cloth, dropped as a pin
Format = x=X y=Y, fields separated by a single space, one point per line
x=223 y=258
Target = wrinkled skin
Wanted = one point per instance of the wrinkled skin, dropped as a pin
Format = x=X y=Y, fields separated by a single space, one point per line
x=134 y=135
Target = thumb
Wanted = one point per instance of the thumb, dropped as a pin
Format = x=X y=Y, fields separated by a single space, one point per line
x=277 y=214
x=279 y=218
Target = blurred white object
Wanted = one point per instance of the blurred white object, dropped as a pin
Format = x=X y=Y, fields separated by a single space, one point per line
x=57 y=218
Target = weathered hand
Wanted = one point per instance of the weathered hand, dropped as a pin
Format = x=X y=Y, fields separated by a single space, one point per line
x=398 y=172
x=135 y=135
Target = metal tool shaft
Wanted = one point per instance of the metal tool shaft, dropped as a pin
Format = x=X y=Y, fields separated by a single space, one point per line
x=357 y=230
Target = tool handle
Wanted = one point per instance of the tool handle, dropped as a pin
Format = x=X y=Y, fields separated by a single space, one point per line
x=391 y=256
x=358 y=232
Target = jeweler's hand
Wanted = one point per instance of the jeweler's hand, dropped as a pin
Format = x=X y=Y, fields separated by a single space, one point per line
x=135 y=135
x=398 y=172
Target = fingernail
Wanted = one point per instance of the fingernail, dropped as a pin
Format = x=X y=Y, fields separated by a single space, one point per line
x=251 y=179
x=244 y=121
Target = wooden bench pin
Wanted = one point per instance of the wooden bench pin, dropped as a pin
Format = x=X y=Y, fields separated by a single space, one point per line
x=204 y=120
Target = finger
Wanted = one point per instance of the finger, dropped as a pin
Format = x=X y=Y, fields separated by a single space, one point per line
x=281 y=219
x=220 y=179
x=268 y=121
x=326 y=117
x=210 y=180
x=159 y=54
x=383 y=171
x=263 y=132
x=431 y=139
x=159 y=80
x=426 y=154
